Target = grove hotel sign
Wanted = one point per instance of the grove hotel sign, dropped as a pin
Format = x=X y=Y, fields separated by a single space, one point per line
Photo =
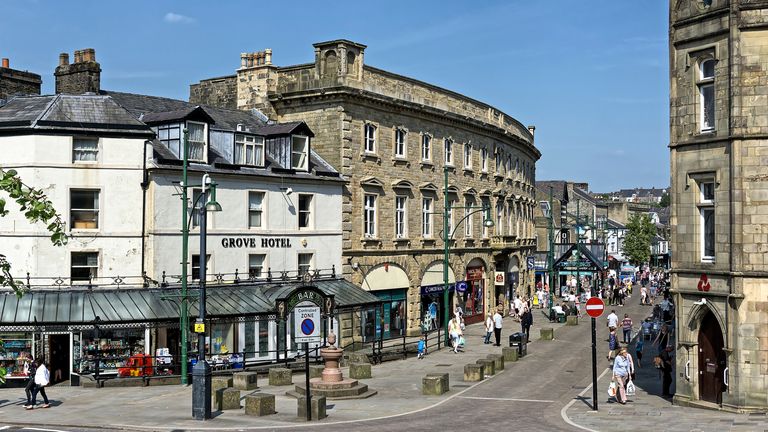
x=253 y=242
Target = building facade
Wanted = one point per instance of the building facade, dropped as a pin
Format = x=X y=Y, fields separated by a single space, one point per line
x=14 y=82
x=719 y=190
x=394 y=138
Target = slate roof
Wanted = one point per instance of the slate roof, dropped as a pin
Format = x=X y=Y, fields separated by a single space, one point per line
x=559 y=189
x=284 y=129
x=71 y=113
x=640 y=192
x=584 y=195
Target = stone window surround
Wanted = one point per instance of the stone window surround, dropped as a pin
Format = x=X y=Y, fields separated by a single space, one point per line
x=694 y=58
x=429 y=147
x=702 y=205
x=404 y=235
x=368 y=126
x=95 y=209
x=468 y=156
x=404 y=155
x=264 y=264
x=448 y=156
x=484 y=160
x=370 y=227
x=95 y=268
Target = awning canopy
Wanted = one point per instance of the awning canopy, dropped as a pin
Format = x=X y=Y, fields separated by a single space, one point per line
x=591 y=262
x=147 y=305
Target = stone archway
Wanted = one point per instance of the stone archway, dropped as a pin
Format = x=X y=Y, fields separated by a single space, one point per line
x=390 y=283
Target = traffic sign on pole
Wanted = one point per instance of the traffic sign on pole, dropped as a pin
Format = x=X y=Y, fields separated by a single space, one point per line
x=306 y=324
x=595 y=307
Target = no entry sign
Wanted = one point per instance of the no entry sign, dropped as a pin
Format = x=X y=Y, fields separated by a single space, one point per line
x=306 y=324
x=595 y=307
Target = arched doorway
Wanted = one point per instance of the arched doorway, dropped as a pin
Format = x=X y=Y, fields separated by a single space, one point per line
x=432 y=289
x=472 y=293
x=390 y=283
x=711 y=360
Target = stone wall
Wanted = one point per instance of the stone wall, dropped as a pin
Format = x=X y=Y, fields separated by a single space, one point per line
x=220 y=92
x=15 y=83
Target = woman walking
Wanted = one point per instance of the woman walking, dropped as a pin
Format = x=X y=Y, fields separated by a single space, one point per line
x=42 y=378
x=526 y=323
x=454 y=330
x=621 y=370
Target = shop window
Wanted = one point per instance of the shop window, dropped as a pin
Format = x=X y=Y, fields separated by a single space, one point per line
x=370 y=138
x=256 y=265
x=305 y=211
x=84 y=266
x=255 y=202
x=299 y=152
x=113 y=348
x=400 y=146
x=706 y=85
x=249 y=150
x=401 y=217
x=84 y=208
x=196 y=266
x=305 y=263
x=426 y=217
x=369 y=216
x=85 y=149
x=221 y=339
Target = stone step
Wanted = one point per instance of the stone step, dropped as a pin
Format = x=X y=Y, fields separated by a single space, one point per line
x=360 y=391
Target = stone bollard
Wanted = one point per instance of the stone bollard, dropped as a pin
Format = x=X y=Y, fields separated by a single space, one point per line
x=245 y=380
x=490 y=368
x=218 y=383
x=259 y=404
x=359 y=370
x=547 y=333
x=498 y=361
x=432 y=385
x=227 y=399
x=572 y=320
x=357 y=357
x=510 y=354
x=474 y=372
x=318 y=407
x=444 y=377
x=280 y=377
x=316 y=371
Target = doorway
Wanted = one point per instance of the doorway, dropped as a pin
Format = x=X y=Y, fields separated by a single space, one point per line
x=58 y=348
x=711 y=360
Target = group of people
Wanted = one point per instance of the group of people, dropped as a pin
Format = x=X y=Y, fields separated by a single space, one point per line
x=39 y=378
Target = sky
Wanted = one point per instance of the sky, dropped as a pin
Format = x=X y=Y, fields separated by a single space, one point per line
x=593 y=77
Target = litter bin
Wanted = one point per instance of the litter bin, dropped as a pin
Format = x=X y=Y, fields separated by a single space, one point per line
x=561 y=318
x=519 y=341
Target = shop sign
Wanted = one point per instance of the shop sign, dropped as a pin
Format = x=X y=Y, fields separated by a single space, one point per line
x=704 y=284
x=530 y=262
x=499 y=278
x=435 y=289
x=461 y=286
x=474 y=273
x=253 y=242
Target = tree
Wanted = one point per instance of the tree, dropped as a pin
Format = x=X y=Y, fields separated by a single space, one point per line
x=637 y=243
x=37 y=208
x=664 y=201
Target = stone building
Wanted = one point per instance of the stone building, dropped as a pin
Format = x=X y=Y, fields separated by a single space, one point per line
x=719 y=196
x=394 y=137
x=16 y=82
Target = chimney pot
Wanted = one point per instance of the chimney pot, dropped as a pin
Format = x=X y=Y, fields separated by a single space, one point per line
x=6 y=63
x=89 y=55
x=532 y=129
x=268 y=56
x=63 y=59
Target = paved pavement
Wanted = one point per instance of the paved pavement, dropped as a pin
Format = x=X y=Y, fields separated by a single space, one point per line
x=538 y=393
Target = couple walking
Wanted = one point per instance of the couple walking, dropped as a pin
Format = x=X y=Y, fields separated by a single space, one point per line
x=493 y=324
x=39 y=377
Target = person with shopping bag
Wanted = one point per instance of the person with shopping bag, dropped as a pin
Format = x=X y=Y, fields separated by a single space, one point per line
x=621 y=370
x=42 y=379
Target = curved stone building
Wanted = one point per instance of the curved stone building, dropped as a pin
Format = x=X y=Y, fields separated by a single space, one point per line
x=395 y=138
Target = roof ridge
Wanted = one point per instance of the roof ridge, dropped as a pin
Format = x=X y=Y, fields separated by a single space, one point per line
x=44 y=112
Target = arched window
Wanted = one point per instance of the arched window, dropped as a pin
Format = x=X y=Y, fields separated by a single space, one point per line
x=351 y=63
x=331 y=64
x=706 y=84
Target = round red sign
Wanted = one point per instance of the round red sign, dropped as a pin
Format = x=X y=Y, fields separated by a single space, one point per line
x=595 y=307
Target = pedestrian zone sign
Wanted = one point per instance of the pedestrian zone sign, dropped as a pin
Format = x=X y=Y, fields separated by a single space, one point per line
x=306 y=324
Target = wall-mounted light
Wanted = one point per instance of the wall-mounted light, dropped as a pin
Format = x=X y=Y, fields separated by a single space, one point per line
x=286 y=190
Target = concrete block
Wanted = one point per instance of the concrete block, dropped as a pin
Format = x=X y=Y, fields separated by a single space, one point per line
x=510 y=354
x=444 y=377
x=498 y=361
x=245 y=380
x=432 y=385
x=474 y=372
x=227 y=399
x=259 y=404
x=220 y=382
x=572 y=320
x=316 y=371
x=547 y=333
x=280 y=377
x=490 y=366
x=317 y=407
x=359 y=370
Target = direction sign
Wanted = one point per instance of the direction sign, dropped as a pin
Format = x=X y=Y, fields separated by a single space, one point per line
x=306 y=324
x=595 y=307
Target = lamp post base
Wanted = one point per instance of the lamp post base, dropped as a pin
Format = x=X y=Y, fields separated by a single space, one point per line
x=201 y=391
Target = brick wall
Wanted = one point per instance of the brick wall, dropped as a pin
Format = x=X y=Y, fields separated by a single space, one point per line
x=14 y=83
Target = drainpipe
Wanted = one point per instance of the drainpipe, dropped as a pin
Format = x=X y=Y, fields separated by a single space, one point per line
x=144 y=187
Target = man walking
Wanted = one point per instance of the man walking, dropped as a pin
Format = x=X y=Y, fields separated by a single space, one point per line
x=497 y=326
x=626 y=327
x=613 y=319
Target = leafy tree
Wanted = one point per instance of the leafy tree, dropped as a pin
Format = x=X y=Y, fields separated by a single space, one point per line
x=36 y=208
x=664 y=201
x=637 y=243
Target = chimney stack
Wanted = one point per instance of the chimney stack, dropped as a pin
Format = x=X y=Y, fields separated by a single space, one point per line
x=82 y=76
x=532 y=129
x=6 y=63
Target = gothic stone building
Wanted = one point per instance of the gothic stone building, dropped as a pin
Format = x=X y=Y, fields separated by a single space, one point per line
x=719 y=195
x=394 y=137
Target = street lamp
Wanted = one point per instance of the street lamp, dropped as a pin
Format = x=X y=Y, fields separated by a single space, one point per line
x=551 y=254
x=201 y=372
x=447 y=236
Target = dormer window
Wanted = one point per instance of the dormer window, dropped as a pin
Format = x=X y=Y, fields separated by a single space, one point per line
x=170 y=136
x=249 y=150
x=196 y=140
x=300 y=152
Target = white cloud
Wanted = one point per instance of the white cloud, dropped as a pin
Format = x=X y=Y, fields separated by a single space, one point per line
x=175 y=18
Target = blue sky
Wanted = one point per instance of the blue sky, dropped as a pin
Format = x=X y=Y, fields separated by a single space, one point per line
x=592 y=76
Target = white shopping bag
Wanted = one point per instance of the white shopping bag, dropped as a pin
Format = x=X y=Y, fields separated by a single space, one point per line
x=630 y=388
x=612 y=389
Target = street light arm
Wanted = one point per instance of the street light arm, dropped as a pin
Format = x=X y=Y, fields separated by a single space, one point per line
x=466 y=216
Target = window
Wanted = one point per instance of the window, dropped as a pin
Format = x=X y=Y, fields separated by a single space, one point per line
x=426 y=150
x=517 y=167
x=468 y=156
x=196 y=266
x=84 y=266
x=305 y=211
x=484 y=159
x=426 y=217
x=401 y=217
x=707 y=94
x=84 y=209
x=499 y=158
x=448 y=145
x=305 y=263
x=508 y=167
x=707 y=216
x=451 y=205
x=369 y=215
x=256 y=265
x=486 y=205
x=400 y=143
x=85 y=149
x=299 y=152
x=370 y=138
x=255 y=209
x=196 y=140
x=170 y=136
x=500 y=218
x=468 y=203
x=197 y=202
x=249 y=150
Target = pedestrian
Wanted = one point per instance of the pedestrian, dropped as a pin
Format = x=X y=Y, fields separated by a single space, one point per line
x=626 y=327
x=488 y=328
x=540 y=298
x=613 y=343
x=527 y=322
x=621 y=371
x=30 y=367
x=422 y=347
x=42 y=378
x=497 y=318
x=666 y=369
x=613 y=319
x=454 y=330
x=662 y=339
x=577 y=305
x=643 y=295
x=639 y=351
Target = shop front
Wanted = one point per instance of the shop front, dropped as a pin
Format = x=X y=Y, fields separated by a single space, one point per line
x=390 y=284
x=15 y=347
x=473 y=297
x=432 y=307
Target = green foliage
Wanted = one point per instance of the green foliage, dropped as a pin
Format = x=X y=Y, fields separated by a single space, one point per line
x=637 y=243
x=36 y=208
x=664 y=203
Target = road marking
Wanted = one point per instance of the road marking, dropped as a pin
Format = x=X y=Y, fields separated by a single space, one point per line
x=43 y=430
x=4 y=427
x=507 y=399
x=564 y=411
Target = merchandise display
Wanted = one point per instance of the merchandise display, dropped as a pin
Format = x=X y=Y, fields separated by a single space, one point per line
x=15 y=348
x=112 y=349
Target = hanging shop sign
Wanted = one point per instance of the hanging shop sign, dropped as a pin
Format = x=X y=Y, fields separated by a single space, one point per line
x=461 y=286
x=499 y=278
x=474 y=273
